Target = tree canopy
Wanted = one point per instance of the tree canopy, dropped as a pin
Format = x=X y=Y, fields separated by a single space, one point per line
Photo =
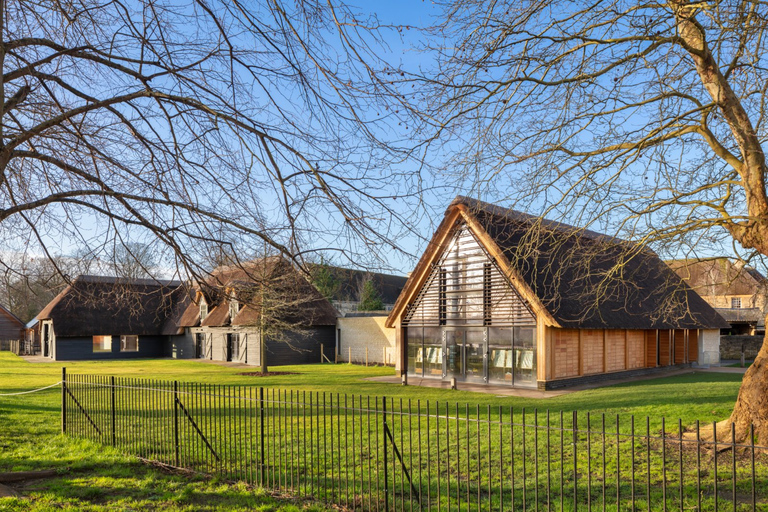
x=192 y=126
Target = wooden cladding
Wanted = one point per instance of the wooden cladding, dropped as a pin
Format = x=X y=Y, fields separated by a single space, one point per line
x=566 y=353
x=465 y=288
x=665 y=348
x=592 y=351
x=635 y=349
x=615 y=350
x=693 y=346
x=578 y=352
x=678 y=346
x=651 y=348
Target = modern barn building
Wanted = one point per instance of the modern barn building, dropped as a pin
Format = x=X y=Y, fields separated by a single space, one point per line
x=501 y=297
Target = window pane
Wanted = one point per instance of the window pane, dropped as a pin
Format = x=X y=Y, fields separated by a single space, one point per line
x=475 y=350
x=433 y=352
x=415 y=351
x=129 y=343
x=500 y=365
x=102 y=343
x=525 y=336
x=500 y=336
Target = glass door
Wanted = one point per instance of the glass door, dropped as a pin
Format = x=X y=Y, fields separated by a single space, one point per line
x=500 y=355
x=453 y=343
x=524 y=357
x=475 y=355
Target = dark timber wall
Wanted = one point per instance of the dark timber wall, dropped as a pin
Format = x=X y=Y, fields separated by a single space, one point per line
x=302 y=348
x=10 y=328
x=76 y=349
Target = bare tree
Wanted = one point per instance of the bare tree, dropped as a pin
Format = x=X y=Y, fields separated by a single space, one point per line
x=646 y=119
x=192 y=126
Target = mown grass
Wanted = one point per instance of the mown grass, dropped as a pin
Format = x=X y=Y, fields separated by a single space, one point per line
x=101 y=478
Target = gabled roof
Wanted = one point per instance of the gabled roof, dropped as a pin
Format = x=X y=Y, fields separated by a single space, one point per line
x=301 y=303
x=571 y=277
x=101 y=305
x=719 y=276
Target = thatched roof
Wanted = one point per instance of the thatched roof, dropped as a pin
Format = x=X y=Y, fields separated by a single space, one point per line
x=100 y=305
x=719 y=276
x=291 y=298
x=579 y=278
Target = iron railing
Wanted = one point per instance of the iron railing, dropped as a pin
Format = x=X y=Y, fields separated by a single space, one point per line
x=377 y=453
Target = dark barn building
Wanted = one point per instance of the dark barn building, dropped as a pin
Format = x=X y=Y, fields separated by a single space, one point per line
x=98 y=317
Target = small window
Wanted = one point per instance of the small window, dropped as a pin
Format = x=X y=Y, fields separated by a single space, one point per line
x=203 y=311
x=234 y=307
x=736 y=302
x=129 y=343
x=102 y=343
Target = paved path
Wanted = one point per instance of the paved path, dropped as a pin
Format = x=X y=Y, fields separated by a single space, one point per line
x=538 y=394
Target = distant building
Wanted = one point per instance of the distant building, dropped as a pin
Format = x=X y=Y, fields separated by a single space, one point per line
x=349 y=284
x=502 y=297
x=222 y=321
x=11 y=328
x=736 y=291
x=99 y=317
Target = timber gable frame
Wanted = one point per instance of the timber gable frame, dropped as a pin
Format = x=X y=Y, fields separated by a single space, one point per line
x=585 y=330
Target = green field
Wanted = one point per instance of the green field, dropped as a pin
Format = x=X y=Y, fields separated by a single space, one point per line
x=100 y=478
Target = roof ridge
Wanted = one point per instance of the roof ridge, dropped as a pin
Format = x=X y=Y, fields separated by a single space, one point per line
x=517 y=215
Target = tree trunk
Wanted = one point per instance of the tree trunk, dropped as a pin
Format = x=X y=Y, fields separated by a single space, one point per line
x=263 y=349
x=752 y=403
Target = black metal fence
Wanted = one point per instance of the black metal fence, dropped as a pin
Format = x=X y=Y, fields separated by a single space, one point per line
x=376 y=453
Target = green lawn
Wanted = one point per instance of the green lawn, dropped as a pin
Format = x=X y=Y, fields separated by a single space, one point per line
x=100 y=478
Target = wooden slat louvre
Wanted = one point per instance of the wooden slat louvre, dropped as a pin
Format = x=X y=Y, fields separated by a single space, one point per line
x=466 y=287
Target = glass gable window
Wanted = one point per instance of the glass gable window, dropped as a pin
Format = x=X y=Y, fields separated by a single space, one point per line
x=469 y=322
x=129 y=343
x=102 y=343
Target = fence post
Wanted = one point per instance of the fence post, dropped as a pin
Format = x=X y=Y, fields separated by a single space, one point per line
x=575 y=457
x=63 y=400
x=366 y=356
x=176 y=420
x=261 y=434
x=350 y=355
x=322 y=353
x=386 y=465
x=114 y=423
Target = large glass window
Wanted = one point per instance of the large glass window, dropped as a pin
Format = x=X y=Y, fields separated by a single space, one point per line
x=525 y=356
x=475 y=355
x=129 y=343
x=415 y=351
x=433 y=352
x=500 y=355
x=102 y=343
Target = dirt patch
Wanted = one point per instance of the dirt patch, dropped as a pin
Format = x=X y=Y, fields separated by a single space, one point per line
x=268 y=374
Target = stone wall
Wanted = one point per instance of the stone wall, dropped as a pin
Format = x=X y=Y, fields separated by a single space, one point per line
x=730 y=346
x=358 y=331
